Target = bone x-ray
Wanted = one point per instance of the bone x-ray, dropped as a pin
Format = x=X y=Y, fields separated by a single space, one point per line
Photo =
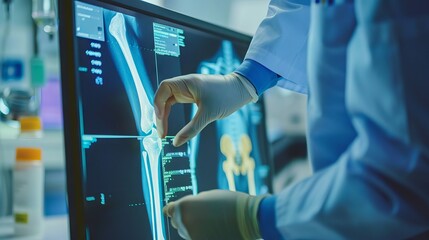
x=129 y=173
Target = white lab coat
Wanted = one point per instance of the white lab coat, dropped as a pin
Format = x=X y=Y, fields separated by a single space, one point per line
x=368 y=115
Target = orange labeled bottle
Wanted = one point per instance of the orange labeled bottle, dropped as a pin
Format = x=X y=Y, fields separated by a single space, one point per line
x=28 y=181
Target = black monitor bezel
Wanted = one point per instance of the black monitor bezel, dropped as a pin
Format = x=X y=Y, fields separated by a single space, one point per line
x=71 y=115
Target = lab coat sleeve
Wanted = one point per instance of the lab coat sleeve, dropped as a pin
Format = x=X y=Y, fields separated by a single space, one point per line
x=280 y=44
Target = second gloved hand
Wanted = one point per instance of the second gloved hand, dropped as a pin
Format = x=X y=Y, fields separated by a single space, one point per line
x=217 y=96
x=216 y=214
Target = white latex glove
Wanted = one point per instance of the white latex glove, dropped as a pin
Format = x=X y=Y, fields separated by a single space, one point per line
x=216 y=214
x=217 y=96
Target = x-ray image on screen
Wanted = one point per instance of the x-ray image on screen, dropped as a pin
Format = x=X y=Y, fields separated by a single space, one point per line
x=140 y=94
x=114 y=167
x=239 y=157
x=129 y=173
x=118 y=116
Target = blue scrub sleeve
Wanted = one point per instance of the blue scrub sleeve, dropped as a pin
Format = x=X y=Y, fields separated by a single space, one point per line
x=259 y=76
x=267 y=219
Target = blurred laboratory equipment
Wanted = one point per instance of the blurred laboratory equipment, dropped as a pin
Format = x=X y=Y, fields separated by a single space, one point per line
x=43 y=13
x=28 y=62
x=18 y=102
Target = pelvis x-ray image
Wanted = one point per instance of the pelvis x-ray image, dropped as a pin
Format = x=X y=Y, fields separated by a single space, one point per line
x=238 y=156
x=122 y=33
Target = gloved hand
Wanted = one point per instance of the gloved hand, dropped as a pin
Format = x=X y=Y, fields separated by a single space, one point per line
x=216 y=214
x=217 y=96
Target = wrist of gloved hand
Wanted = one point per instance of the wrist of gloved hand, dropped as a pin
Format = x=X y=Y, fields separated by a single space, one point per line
x=216 y=214
x=248 y=86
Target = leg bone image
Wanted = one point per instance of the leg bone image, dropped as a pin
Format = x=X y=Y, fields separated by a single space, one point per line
x=118 y=31
x=148 y=179
x=153 y=146
x=144 y=115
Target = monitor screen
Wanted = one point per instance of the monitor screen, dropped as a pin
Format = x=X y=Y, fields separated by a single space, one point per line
x=128 y=173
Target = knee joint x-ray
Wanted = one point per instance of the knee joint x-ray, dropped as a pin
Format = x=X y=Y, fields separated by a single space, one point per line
x=145 y=115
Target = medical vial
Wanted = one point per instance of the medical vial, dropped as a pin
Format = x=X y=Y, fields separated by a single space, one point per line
x=28 y=179
x=31 y=127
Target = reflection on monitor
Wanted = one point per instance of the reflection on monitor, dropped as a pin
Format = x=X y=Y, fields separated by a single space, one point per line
x=128 y=172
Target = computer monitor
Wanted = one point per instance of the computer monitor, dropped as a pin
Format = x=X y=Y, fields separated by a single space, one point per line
x=120 y=174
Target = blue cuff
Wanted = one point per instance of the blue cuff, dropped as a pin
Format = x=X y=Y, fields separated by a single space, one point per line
x=259 y=76
x=267 y=219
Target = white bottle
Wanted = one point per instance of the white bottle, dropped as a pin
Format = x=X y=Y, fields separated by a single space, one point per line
x=28 y=180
